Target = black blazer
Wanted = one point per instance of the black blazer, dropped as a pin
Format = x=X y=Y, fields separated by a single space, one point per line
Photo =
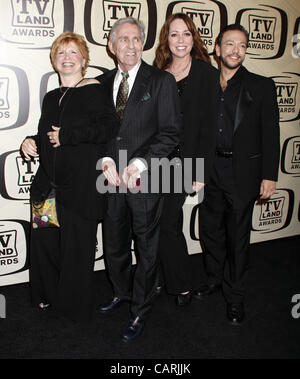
x=199 y=107
x=256 y=144
x=152 y=122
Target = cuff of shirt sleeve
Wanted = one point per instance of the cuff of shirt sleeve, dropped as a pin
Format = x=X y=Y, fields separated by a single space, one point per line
x=140 y=165
x=107 y=159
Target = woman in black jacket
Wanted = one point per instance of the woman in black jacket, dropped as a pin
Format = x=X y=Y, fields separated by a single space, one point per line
x=75 y=124
x=182 y=53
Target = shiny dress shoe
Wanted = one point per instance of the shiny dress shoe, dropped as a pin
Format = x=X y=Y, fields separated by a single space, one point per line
x=206 y=290
x=133 y=330
x=44 y=306
x=115 y=303
x=235 y=313
x=183 y=299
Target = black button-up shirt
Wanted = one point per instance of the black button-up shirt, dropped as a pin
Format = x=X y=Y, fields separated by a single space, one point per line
x=227 y=110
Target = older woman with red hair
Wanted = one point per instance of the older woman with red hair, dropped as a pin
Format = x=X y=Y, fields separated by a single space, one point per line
x=76 y=122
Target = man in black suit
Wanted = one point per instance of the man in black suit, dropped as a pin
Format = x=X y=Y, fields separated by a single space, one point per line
x=147 y=103
x=242 y=164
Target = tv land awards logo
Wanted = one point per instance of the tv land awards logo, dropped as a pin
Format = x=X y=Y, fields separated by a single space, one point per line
x=287 y=87
x=267 y=26
x=26 y=171
x=36 y=13
x=8 y=248
x=107 y=12
x=4 y=105
x=35 y=23
x=16 y=174
x=261 y=30
x=14 y=97
x=275 y=213
x=203 y=21
x=5 y=110
x=113 y=10
x=13 y=245
x=290 y=157
x=296 y=154
x=204 y=14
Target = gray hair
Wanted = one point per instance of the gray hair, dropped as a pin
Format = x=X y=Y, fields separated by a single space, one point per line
x=130 y=20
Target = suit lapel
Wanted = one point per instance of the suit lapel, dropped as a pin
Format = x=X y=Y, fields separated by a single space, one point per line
x=109 y=83
x=244 y=102
x=137 y=91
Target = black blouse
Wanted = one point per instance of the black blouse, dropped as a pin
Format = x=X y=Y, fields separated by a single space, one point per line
x=176 y=153
x=181 y=85
x=87 y=122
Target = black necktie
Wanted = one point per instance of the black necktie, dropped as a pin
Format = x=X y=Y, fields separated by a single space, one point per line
x=122 y=95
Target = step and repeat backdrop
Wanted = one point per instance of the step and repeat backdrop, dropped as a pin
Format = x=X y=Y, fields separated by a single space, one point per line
x=27 y=30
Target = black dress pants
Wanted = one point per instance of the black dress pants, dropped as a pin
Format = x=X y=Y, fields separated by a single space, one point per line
x=175 y=262
x=225 y=221
x=134 y=216
x=62 y=265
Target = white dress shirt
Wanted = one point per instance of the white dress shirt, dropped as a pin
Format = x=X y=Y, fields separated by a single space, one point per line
x=118 y=78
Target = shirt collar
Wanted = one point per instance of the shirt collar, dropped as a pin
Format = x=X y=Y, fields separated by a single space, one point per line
x=237 y=76
x=132 y=73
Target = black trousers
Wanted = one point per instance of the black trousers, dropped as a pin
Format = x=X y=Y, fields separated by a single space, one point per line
x=62 y=265
x=134 y=216
x=175 y=262
x=225 y=224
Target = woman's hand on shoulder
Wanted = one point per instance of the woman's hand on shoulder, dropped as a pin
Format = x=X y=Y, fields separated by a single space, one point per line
x=29 y=149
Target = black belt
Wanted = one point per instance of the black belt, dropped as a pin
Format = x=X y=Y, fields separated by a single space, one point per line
x=224 y=153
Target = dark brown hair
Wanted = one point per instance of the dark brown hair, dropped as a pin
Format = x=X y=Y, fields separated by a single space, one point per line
x=232 y=27
x=163 y=55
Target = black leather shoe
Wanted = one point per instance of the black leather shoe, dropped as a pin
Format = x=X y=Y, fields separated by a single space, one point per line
x=133 y=330
x=115 y=303
x=235 y=313
x=206 y=290
x=183 y=299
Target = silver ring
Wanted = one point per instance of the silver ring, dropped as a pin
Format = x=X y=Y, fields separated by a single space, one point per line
x=50 y=137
